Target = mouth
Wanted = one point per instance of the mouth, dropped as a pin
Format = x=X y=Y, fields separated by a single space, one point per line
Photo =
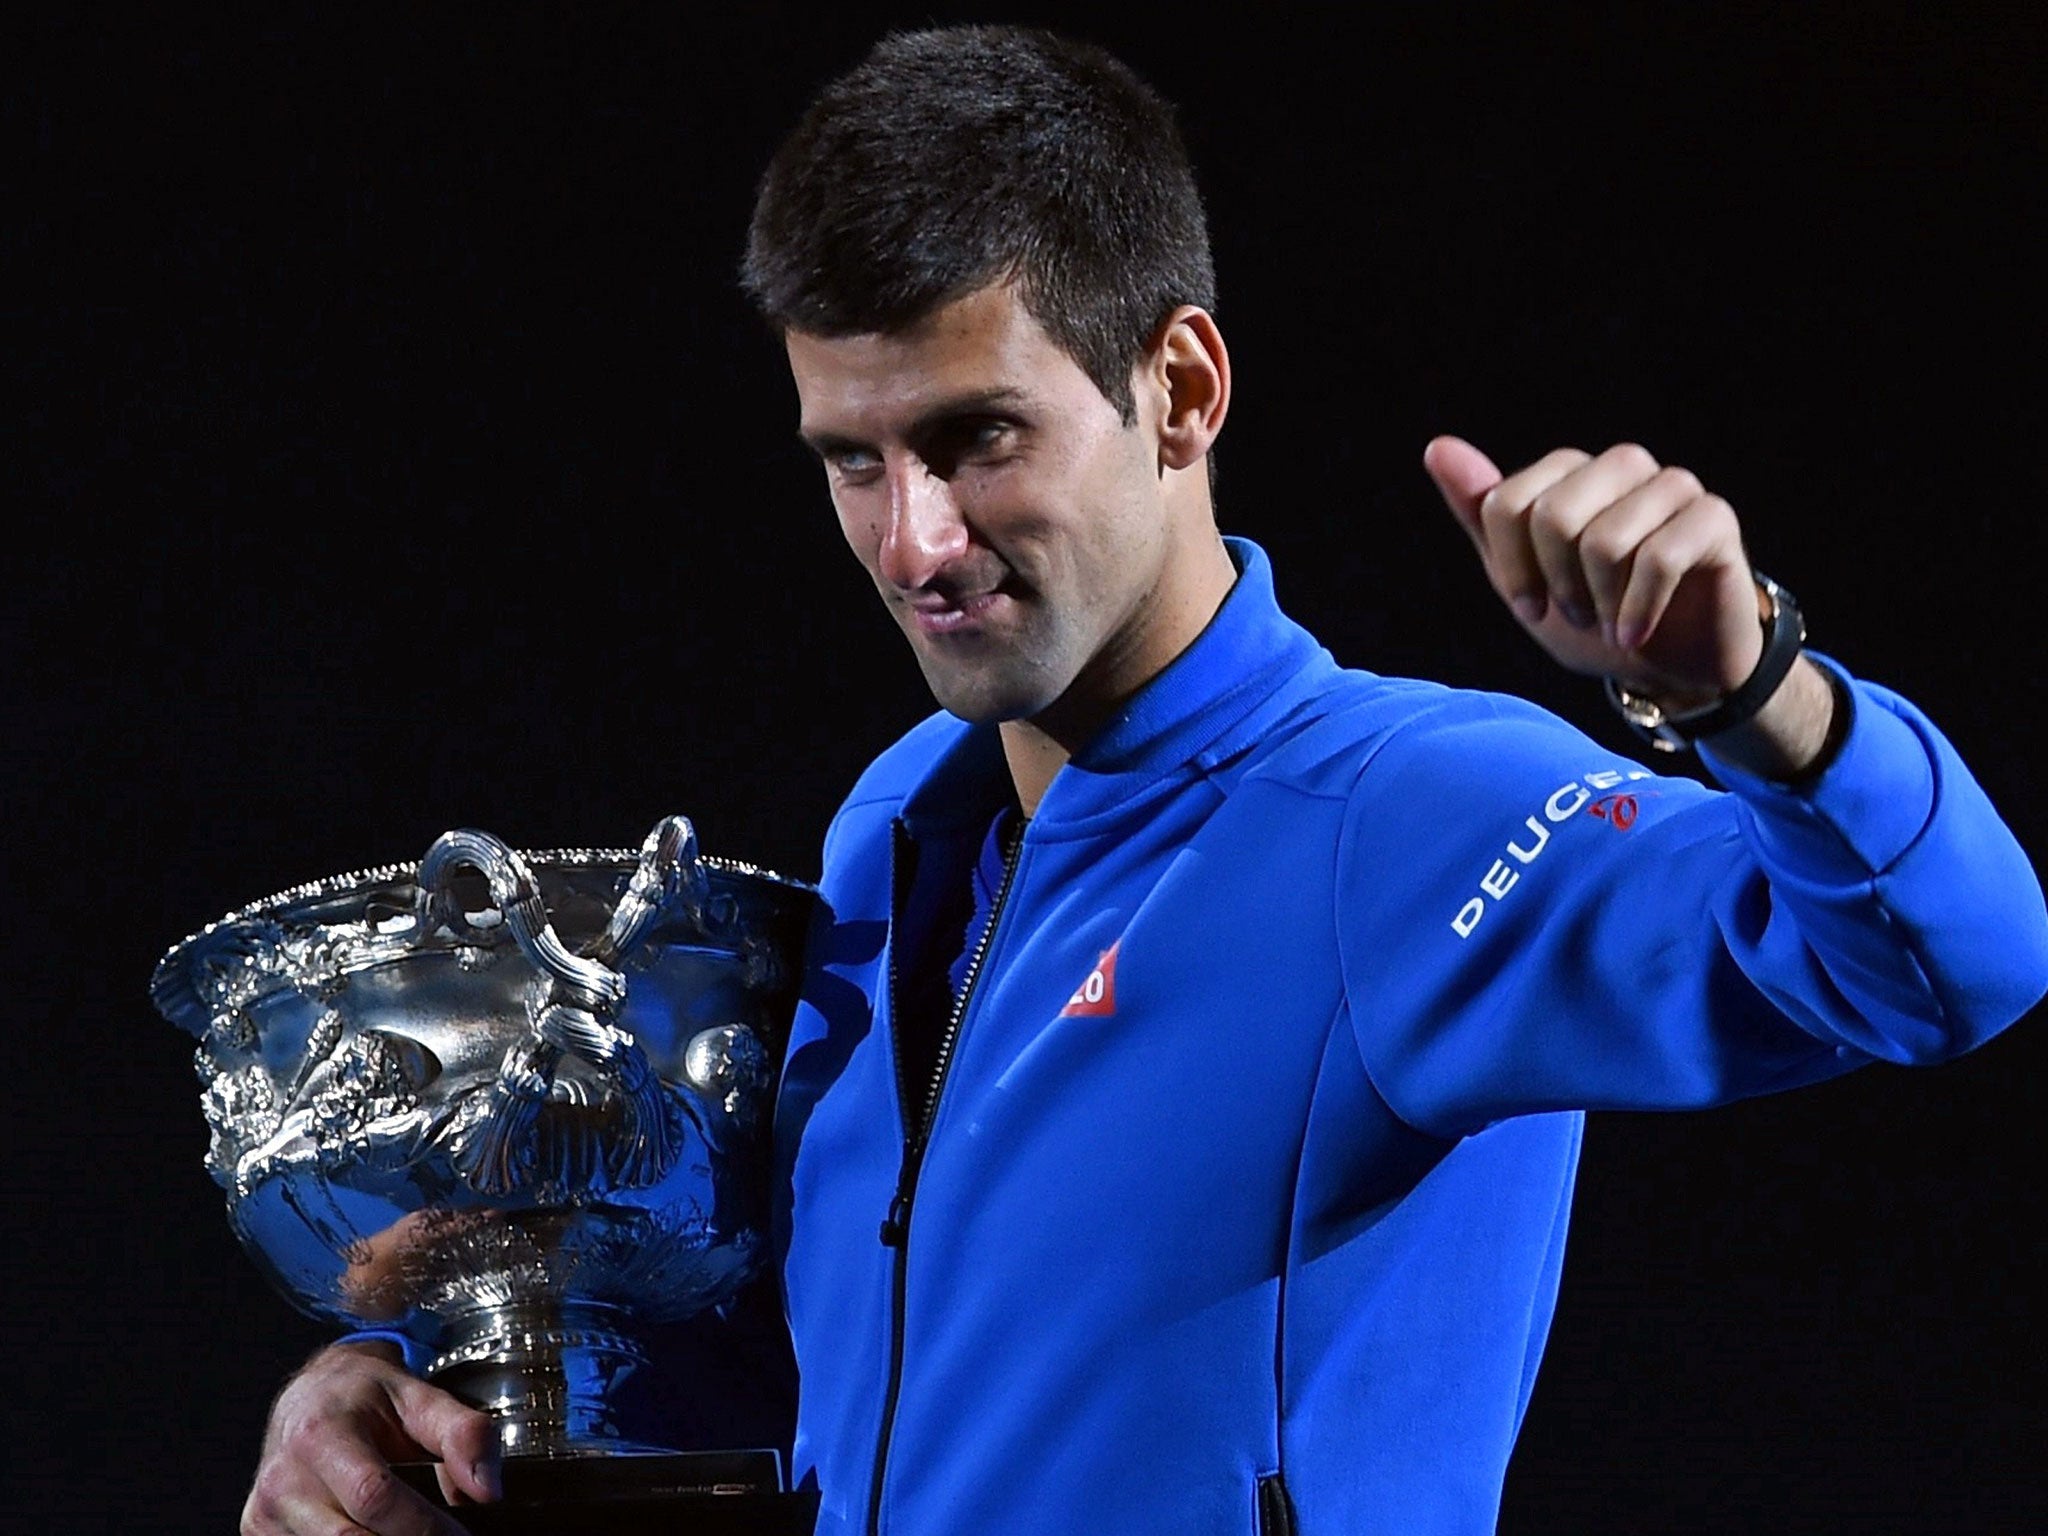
x=930 y=614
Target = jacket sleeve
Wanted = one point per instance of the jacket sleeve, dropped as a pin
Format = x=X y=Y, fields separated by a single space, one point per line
x=1529 y=922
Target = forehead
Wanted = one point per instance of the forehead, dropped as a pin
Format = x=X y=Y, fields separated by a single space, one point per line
x=982 y=344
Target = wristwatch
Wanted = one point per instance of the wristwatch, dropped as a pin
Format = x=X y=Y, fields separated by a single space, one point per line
x=1784 y=633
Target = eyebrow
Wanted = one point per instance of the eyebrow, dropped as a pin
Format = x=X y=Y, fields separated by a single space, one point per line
x=978 y=402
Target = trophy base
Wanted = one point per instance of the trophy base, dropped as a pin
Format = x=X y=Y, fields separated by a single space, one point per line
x=679 y=1493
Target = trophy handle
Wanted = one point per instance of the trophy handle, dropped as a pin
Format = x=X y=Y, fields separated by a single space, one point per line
x=517 y=897
x=505 y=1151
x=670 y=874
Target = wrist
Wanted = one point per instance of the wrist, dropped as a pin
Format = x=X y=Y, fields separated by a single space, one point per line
x=1798 y=732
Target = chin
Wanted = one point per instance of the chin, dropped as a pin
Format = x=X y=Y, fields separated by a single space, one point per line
x=976 y=709
x=986 y=701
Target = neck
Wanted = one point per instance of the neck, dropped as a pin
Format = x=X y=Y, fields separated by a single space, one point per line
x=1036 y=749
x=1034 y=757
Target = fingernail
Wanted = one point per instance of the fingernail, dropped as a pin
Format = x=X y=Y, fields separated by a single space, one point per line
x=1574 y=614
x=1629 y=636
x=1528 y=609
x=488 y=1478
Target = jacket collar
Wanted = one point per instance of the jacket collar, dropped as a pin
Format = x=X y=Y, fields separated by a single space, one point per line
x=1209 y=704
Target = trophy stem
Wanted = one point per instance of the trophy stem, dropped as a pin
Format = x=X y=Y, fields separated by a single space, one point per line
x=546 y=1371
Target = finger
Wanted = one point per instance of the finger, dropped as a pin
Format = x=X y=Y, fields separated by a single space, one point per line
x=1607 y=544
x=333 y=1433
x=1701 y=543
x=460 y=1437
x=1463 y=475
x=1510 y=557
x=1562 y=510
x=378 y=1499
x=340 y=1496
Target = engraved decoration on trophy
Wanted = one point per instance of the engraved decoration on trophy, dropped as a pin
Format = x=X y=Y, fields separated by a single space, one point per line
x=512 y=1106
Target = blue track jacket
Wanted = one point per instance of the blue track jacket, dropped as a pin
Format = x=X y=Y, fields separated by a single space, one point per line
x=1242 y=1199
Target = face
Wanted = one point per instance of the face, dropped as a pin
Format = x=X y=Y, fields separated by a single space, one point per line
x=1018 y=531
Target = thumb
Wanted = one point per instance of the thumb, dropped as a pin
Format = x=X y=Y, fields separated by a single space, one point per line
x=460 y=1437
x=1463 y=476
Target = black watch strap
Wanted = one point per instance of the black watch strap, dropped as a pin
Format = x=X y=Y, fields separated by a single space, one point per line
x=1784 y=634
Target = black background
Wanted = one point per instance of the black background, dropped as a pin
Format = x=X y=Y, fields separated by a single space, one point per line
x=392 y=451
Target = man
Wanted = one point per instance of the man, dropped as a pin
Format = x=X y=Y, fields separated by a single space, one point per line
x=1180 y=1125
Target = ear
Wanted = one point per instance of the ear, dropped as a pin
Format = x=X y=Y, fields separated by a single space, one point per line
x=1188 y=371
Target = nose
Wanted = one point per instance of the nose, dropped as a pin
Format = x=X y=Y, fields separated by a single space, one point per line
x=925 y=531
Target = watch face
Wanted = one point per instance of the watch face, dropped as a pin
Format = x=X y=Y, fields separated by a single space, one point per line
x=1647 y=719
x=1639 y=711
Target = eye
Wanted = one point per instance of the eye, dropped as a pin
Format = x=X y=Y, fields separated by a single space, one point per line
x=979 y=440
x=985 y=435
x=850 y=465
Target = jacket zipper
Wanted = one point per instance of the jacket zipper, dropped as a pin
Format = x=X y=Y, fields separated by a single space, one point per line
x=1276 y=1509
x=896 y=1225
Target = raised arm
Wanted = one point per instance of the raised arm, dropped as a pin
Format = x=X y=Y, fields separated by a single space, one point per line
x=1566 y=929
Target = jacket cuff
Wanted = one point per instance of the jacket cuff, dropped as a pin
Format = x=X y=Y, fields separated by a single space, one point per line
x=417 y=1355
x=1874 y=798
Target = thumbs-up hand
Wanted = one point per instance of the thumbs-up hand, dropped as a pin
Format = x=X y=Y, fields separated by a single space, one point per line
x=1616 y=564
x=1627 y=568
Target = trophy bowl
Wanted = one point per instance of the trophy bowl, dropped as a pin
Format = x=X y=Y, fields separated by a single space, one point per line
x=508 y=1107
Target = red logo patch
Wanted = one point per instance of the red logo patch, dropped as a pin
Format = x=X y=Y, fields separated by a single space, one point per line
x=1619 y=811
x=1096 y=996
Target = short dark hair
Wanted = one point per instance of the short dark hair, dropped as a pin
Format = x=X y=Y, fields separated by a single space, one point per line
x=955 y=157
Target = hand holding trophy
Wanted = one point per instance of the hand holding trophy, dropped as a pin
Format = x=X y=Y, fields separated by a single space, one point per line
x=512 y=1108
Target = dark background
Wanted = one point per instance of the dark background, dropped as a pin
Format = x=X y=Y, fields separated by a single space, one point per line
x=392 y=451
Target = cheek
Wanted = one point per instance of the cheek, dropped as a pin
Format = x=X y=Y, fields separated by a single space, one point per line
x=1125 y=518
x=859 y=526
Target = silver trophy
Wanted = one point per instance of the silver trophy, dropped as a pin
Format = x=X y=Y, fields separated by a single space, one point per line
x=512 y=1106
